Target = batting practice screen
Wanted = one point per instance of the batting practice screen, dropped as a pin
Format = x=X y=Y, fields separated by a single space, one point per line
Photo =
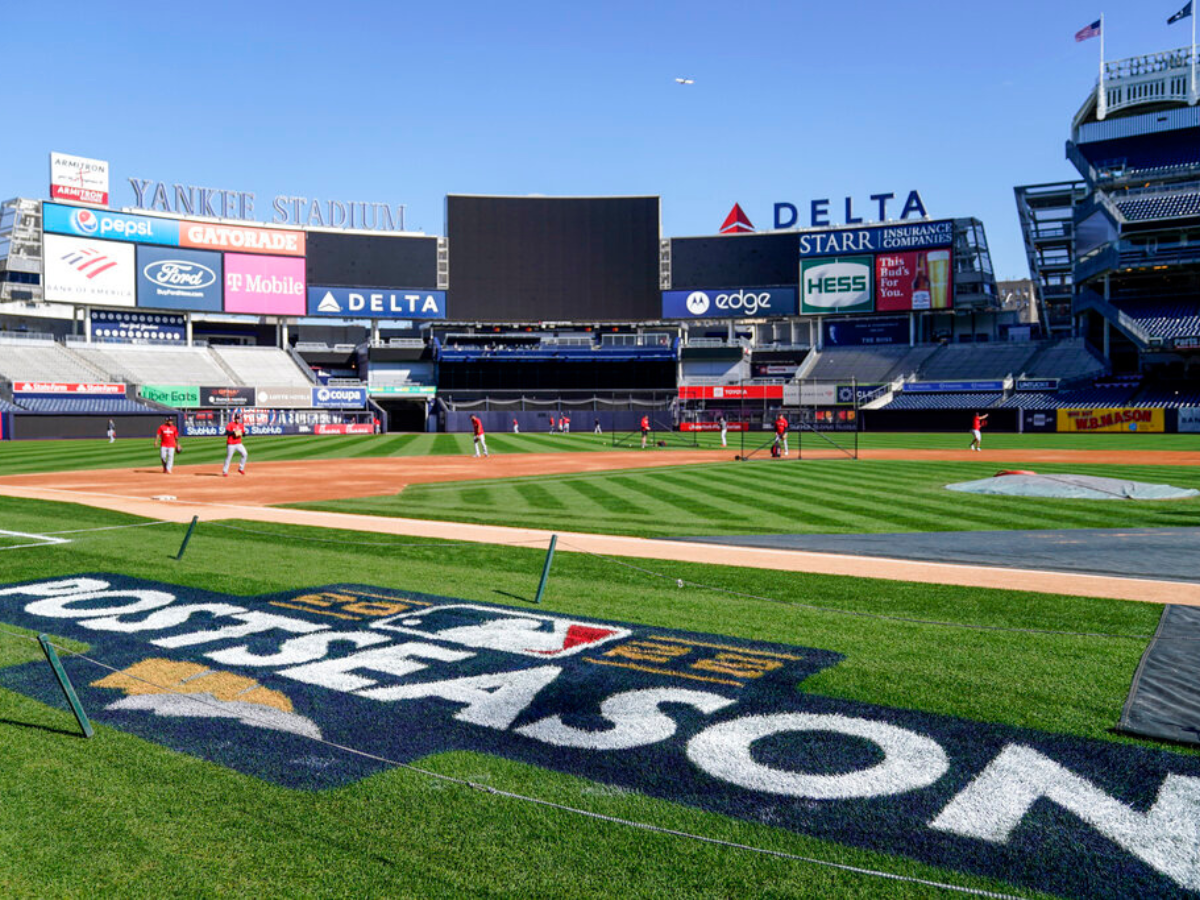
x=359 y=260
x=735 y=260
x=529 y=259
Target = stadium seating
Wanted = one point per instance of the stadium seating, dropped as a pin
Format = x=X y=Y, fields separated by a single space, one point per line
x=868 y=365
x=47 y=361
x=1069 y=359
x=973 y=362
x=1143 y=155
x=966 y=400
x=84 y=405
x=1168 y=206
x=1168 y=398
x=1166 y=317
x=5 y=406
x=1080 y=399
x=145 y=364
x=263 y=366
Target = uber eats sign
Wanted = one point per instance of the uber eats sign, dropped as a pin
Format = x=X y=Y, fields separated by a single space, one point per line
x=841 y=284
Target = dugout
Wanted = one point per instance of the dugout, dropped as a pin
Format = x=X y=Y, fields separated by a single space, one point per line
x=1006 y=420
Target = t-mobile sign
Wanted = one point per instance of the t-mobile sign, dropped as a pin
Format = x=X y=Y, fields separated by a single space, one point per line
x=264 y=285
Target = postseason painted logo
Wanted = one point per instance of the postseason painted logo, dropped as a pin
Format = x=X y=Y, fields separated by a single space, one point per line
x=703 y=720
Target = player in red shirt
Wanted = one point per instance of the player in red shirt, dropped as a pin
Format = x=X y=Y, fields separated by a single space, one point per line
x=552 y=424
x=781 y=430
x=977 y=423
x=565 y=424
x=167 y=440
x=516 y=427
x=645 y=430
x=480 y=440
x=234 y=432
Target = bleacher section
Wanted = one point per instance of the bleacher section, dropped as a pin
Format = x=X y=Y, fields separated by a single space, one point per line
x=156 y=365
x=263 y=366
x=1164 y=318
x=46 y=361
x=1166 y=206
x=1168 y=398
x=5 y=406
x=868 y=365
x=111 y=406
x=975 y=362
x=1143 y=156
x=966 y=400
x=1069 y=359
x=1081 y=399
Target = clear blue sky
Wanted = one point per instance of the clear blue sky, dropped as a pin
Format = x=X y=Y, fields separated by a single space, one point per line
x=405 y=102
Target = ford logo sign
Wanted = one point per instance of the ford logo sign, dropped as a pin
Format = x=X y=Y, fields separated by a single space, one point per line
x=178 y=273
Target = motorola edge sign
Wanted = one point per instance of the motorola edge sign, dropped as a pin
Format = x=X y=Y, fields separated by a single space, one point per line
x=729 y=303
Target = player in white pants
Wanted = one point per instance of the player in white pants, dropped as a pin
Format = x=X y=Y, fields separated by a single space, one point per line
x=724 y=430
x=234 y=432
x=480 y=441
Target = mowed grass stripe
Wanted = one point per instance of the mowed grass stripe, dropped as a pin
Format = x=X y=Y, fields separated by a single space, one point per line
x=538 y=497
x=608 y=501
x=685 y=503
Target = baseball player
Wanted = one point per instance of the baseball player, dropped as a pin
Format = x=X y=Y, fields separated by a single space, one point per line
x=724 y=430
x=516 y=427
x=781 y=430
x=112 y=431
x=552 y=424
x=565 y=423
x=977 y=424
x=645 y=430
x=596 y=429
x=480 y=440
x=234 y=432
x=166 y=439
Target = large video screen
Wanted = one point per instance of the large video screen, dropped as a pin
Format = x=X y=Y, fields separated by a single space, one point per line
x=553 y=259
x=745 y=260
x=360 y=260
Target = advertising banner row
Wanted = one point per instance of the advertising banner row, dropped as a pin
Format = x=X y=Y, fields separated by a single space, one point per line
x=202 y=397
x=1094 y=421
x=889 y=282
x=98 y=258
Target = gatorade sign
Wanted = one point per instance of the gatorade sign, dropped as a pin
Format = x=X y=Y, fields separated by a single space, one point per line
x=842 y=284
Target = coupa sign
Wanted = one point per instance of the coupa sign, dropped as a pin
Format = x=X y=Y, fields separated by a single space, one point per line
x=729 y=303
x=703 y=720
x=338 y=397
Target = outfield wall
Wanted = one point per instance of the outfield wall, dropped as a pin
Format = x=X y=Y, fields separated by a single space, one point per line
x=43 y=427
x=582 y=421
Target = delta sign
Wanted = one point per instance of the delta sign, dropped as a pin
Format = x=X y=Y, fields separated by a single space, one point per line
x=376 y=303
x=270 y=685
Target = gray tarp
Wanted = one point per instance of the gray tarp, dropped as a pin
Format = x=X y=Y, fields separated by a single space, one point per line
x=1164 y=701
x=1072 y=487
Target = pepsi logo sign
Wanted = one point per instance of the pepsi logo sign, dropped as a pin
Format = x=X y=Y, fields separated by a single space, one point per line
x=85 y=221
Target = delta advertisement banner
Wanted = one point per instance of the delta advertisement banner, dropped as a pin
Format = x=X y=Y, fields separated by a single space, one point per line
x=376 y=303
x=176 y=396
x=179 y=279
x=869 y=333
x=839 y=285
x=1094 y=421
x=227 y=396
x=729 y=303
x=878 y=239
x=264 y=285
x=69 y=387
x=112 y=226
x=731 y=392
x=285 y=397
x=78 y=179
x=138 y=326
x=338 y=397
x=242 y=239
x=1189 y=419
x=918 y=280
x=87 y=272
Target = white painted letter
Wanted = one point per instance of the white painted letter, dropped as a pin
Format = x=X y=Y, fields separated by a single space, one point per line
x=395 y=659
x=253 y=623
x=493 y=700
x=295 y=651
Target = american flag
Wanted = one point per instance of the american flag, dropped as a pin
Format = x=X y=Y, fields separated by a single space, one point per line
x=1089 y=31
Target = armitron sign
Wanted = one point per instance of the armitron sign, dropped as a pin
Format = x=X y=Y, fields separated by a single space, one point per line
x=701 y=720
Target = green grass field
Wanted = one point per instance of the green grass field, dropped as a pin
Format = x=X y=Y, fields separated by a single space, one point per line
x=123 y=816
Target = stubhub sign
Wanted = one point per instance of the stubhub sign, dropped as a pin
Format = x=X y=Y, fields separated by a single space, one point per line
x=376 y=303
x=729 y=303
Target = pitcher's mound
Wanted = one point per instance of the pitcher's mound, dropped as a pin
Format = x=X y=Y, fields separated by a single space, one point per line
x=1072 y=487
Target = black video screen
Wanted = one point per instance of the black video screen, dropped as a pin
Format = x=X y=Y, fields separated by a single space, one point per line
x=537 y=259
x=735 y=261
x=367 y=260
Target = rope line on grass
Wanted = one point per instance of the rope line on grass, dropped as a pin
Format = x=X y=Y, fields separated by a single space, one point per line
x=561 y=807
x=113 y=527
x=682 y=582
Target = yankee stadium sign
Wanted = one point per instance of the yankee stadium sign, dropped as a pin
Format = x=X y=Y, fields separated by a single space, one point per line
x=308 y=212
x=698 y=719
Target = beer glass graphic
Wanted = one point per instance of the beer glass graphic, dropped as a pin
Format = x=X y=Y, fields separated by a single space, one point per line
x=939 y=278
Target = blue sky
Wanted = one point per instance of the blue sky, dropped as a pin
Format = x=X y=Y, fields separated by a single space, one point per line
x=404 y=102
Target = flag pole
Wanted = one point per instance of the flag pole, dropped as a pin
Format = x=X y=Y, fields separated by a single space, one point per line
x=1101 y=99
